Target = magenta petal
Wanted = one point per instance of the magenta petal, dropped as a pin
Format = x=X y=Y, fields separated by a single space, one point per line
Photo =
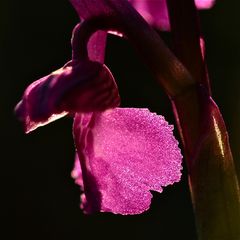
x=91 y=8
x=77 y=172
x=125 y=153
x=155 y=11
x=77 y=87
x=96 y=46
x=87 y=9
x=204 y=4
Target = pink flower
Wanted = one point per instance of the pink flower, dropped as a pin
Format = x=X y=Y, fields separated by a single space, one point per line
x=122 y=153
x=155 y=11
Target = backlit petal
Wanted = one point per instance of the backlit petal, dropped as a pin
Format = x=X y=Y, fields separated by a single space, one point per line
x=204 y=4
x=154 y=12
x=125 y=153
x=80 y=87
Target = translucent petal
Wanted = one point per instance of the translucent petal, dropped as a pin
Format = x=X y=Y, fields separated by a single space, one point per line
x=125 y=153
x=77 y=87
x=204 y=4
x=154 y=12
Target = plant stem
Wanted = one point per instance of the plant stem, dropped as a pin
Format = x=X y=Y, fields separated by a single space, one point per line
x=212 y=177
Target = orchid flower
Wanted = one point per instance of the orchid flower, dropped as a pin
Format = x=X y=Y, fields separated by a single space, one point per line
x=122 y=153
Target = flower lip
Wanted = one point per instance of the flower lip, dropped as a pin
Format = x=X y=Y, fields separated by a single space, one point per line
x=121 y=159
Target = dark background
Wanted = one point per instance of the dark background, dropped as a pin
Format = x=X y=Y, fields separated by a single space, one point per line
x=40 y=200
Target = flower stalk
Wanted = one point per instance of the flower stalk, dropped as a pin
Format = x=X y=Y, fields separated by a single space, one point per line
x=212 y=177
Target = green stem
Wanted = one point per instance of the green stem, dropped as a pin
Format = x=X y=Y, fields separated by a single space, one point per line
x=212 y=177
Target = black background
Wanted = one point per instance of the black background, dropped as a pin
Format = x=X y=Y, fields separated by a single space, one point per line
x=41 y=200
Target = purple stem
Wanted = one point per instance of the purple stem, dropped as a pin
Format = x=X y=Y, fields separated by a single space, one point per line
x=185 y=28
